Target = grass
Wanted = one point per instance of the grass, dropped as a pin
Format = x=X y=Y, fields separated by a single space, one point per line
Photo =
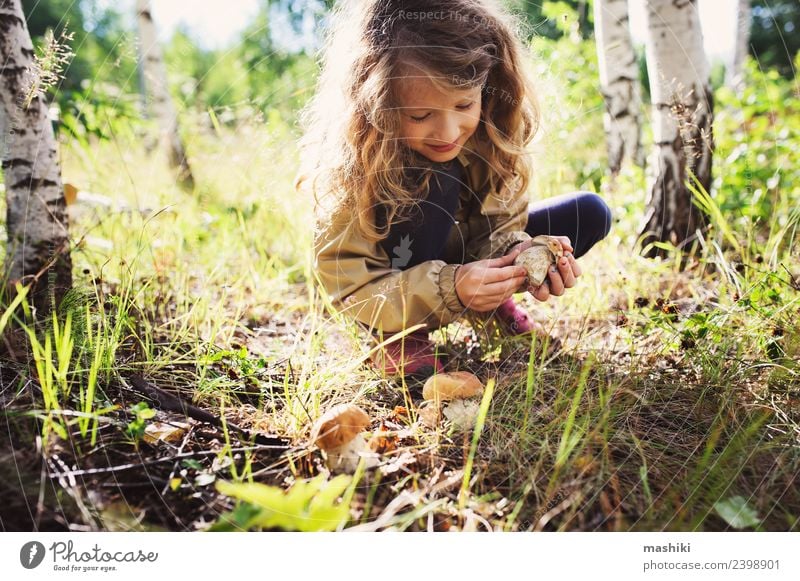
x=675 y=391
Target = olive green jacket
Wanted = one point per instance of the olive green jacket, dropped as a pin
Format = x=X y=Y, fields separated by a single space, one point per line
x=361 y=283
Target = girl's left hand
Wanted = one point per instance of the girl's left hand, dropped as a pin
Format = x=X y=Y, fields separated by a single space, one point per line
x=561 y=276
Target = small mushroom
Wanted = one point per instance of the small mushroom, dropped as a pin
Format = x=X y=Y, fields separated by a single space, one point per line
x=338 y=433
x=546 y=250
x=461 y=390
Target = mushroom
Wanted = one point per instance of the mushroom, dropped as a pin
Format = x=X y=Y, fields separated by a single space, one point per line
x=546 y=250
x=461 y=389
x=338 y=433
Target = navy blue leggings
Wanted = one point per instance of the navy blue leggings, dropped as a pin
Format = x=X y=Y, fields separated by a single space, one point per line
x=582 y=216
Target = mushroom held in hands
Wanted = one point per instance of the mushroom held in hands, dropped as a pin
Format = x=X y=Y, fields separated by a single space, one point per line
x=338 y=433
x=461 y=389
x=546 y=250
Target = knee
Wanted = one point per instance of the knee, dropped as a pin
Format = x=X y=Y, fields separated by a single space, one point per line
x=595 y=211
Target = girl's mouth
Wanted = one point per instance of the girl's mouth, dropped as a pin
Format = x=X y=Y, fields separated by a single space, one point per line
x=443 y=148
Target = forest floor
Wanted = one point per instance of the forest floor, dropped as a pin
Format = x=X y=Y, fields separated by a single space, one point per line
x=672 y=404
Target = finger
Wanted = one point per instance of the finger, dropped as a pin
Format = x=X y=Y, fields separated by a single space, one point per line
x=556 y=282
x=503 y=290
x=565 y=270
x=501 y=261
x=576 y=270
x=542 y=292
x=493 y=275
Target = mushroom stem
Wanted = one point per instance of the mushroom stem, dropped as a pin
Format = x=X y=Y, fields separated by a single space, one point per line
x=345 y=458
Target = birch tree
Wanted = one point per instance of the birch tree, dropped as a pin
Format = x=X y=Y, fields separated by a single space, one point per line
x=4 y=133
x=619 y=83
x=682 y=122
x=742 y=47
x=38 y=251
x=153 y=76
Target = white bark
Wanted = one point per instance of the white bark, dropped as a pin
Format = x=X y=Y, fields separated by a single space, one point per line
x=733 y=75
x=36 y=218
x=619 y=83
x=682 y=120
x=4 y=133
x=153 y=75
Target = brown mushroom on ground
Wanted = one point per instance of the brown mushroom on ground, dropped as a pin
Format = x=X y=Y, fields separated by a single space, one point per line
x=338 y=433
x=461 y=390
x=545 y=251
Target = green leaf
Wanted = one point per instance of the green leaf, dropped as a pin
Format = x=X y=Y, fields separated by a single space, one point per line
x=306 y=506
x=736 y=512
x=236 y=520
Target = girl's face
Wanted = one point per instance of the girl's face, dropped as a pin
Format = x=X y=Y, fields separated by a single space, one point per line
x=437 y=124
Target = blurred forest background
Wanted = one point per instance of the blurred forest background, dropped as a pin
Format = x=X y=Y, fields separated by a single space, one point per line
x=676 y=406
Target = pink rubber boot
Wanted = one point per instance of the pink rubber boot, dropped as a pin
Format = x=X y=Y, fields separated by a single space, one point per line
x=414 y=354
x=516 y=320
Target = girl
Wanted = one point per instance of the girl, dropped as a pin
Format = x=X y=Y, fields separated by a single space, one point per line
x=414 y=147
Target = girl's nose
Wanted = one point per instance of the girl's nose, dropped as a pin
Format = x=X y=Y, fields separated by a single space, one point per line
x=450 y=128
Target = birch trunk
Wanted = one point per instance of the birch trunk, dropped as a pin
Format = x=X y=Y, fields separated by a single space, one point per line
x=619 y=83
x=36 y=217
x=682 y=122
x=153 y=76
x=743 y=17
x=4 y=133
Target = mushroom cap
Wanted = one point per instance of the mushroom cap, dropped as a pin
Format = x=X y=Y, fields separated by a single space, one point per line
x=338 y=426
x=537 y=259
x=452 y=385
x=551 y=243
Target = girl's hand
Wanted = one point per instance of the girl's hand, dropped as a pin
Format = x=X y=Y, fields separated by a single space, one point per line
x=483 y=285
x=560 y=277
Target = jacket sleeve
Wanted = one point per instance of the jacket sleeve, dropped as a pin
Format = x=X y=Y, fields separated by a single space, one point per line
x=358 y=277
x=499 y=226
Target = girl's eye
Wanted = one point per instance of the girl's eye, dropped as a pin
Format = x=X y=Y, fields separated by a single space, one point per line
x=465 y=107
x=420 y=119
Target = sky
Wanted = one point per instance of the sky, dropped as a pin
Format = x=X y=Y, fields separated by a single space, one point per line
x=215 y=28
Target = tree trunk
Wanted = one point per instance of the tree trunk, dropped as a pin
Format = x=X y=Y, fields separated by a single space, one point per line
x=153 y=76
x=619 y=83
x=682 y=122
x=743 y=19
x=36 y=217
x=5 y=133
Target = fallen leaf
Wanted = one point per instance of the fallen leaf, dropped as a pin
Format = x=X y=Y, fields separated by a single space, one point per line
x=166 y=432
x=736 y=512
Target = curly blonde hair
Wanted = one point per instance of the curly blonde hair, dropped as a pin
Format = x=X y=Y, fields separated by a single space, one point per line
x=350 y=155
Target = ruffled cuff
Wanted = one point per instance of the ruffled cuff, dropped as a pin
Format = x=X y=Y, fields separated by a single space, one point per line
x=447 y=289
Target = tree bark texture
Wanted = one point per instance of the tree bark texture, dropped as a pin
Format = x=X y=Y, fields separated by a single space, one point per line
x=682 y=119
x=619 y=83
x=153 y=75
x=742 y=48
x=38 y=246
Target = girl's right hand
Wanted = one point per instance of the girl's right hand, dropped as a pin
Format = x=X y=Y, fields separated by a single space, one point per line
x=483 y=285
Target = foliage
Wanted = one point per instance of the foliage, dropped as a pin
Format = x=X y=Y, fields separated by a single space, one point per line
x=775 y=35
x=567 y=80
x=103 y=49
x=100 y=110
x=756 y=129
x=141 y=413
x=737 y=512
x=258 y=72
x=305 y=506
x=545 y=18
